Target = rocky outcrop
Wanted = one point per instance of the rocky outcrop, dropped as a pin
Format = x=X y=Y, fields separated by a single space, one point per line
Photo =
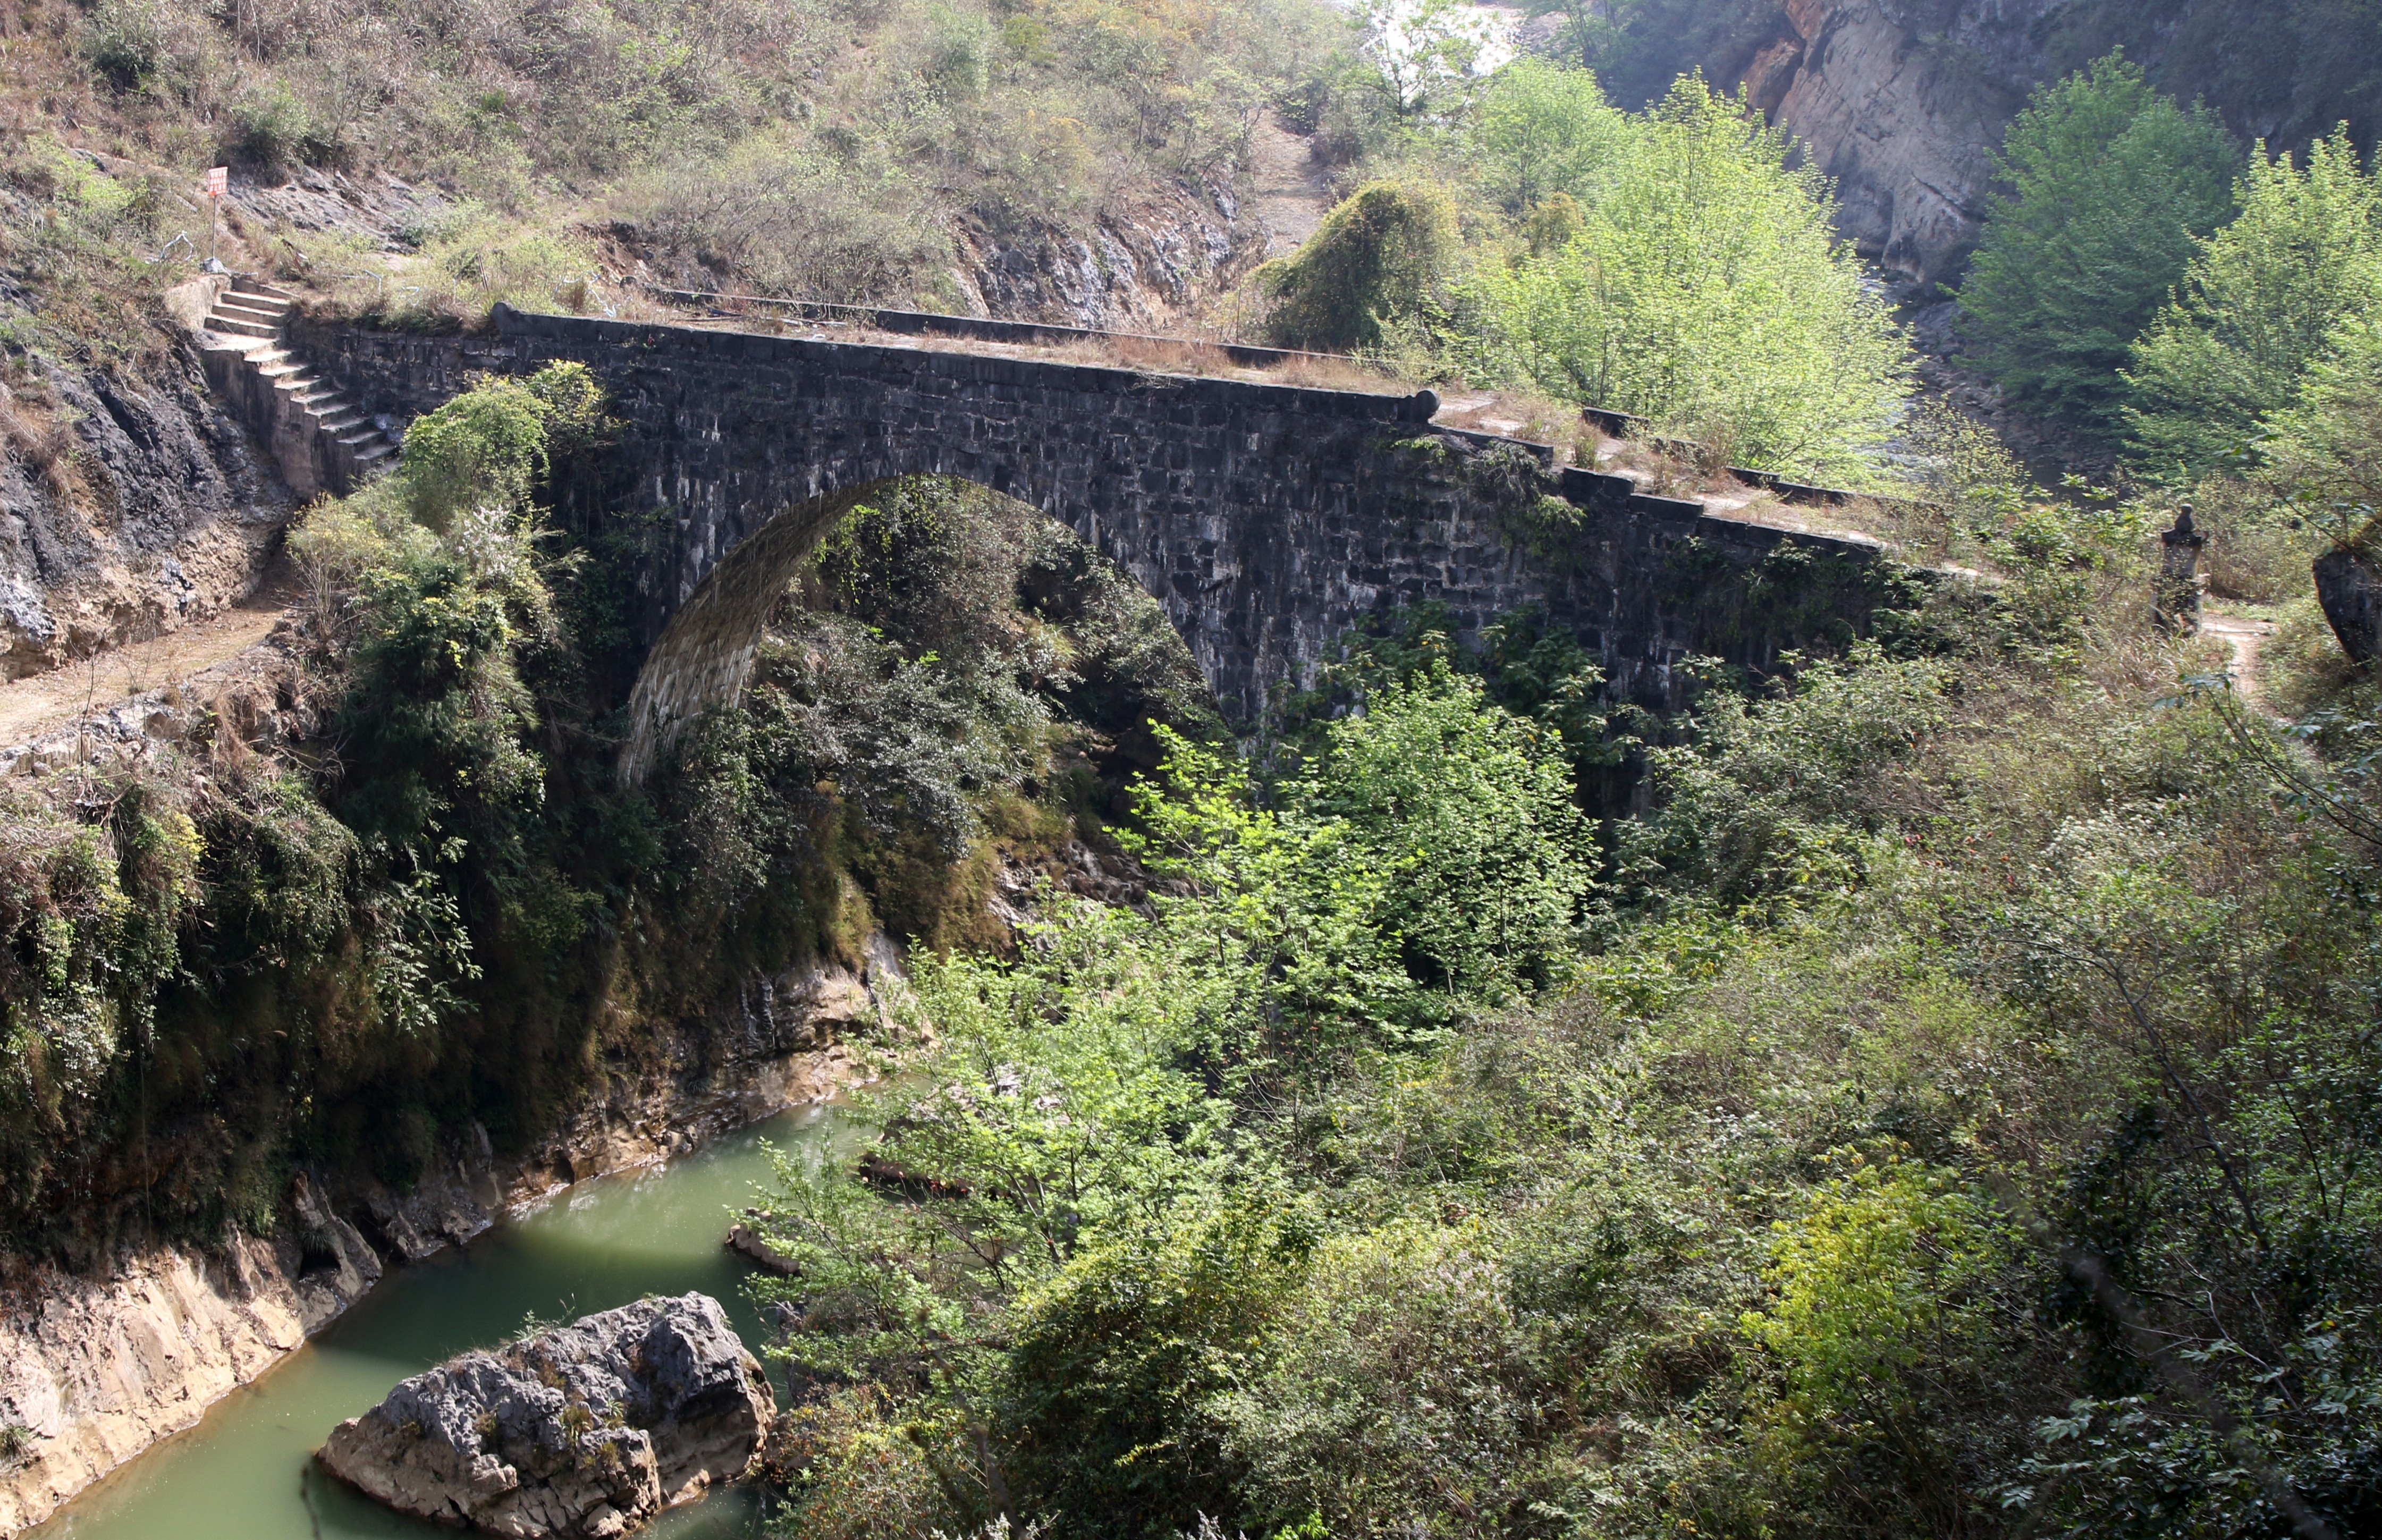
x=2349 y=586
x=1143 y=265
x=588 y=1430
x=1905 y=124
x=131 y=503
x=95 y=1370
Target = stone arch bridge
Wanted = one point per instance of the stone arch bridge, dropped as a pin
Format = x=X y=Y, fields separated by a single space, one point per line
x=1265 y=519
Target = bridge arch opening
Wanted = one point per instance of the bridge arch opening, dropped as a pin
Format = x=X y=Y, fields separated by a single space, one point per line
x=959 y=576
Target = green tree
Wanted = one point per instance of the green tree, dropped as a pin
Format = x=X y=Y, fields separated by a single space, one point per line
x=2326 y=450
x=1418 y=56
x=2258 y=306
x=1706 y=290
x=2113 y=183
x=1540 y=130
x=1464 y=811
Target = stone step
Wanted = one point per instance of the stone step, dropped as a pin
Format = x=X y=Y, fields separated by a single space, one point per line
x=246 y=323
x=252 y=304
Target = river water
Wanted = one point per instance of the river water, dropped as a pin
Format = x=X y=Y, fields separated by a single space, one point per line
x=246 y=1472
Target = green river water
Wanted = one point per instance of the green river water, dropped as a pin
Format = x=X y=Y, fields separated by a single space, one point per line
x=245 y=1472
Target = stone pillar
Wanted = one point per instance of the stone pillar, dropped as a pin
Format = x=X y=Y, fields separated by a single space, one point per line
x=2175 y=605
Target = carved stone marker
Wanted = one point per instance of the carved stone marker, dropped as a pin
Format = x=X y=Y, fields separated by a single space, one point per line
x=2176 y=605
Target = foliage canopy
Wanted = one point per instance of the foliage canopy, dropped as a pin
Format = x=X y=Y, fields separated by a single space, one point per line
x=2112 y=184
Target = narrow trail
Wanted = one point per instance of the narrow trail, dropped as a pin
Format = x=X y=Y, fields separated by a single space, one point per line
x=40 y=704
x=2245 y=637
x=1292 y=194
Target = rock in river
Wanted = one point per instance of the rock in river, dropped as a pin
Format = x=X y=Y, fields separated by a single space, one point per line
x=587 y=1430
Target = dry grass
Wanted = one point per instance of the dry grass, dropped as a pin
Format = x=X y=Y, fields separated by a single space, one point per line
x=1525 y=415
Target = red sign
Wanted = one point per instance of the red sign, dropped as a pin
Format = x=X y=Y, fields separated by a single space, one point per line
x=218 y=180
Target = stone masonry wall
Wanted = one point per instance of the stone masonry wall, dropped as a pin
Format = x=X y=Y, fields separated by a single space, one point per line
x=1266 y=519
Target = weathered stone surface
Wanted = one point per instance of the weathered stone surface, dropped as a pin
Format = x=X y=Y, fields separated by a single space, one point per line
x=1266 y=519
x=2350 y=588
x=587 y=1430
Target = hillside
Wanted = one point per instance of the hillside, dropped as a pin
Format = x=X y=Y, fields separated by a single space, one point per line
x=1079 y=163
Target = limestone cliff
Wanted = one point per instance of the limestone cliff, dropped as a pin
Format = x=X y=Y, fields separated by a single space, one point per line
x=131 y=503
x=1905 y=123
x=95 y=1368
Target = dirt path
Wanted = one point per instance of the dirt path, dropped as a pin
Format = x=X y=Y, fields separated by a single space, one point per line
x=1292 y=194
x=39 y=703
x=2245 y=637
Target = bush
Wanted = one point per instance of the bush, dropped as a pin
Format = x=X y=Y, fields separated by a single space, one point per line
x=1377 y=258
x=2112 y=185
x=1400 y=1396
x=272 y=130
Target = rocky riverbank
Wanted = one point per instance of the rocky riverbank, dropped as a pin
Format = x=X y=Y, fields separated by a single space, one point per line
x=96 y=1369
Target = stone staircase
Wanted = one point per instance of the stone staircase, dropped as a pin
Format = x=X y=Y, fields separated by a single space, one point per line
x=322 y=440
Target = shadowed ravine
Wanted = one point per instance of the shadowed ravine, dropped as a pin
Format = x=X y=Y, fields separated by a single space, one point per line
x=246 y=1472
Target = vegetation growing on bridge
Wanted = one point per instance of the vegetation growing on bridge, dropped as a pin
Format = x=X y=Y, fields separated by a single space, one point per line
x=440 y=908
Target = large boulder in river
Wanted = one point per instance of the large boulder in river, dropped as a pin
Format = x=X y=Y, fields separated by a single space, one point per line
x=587 y=1430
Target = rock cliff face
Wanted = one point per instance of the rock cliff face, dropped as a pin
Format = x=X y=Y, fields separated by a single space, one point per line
x=1142 y=268
x=588 y=1430
x=130 y=503
x=1904 y=102
x=96 y=1370
x=1905 y=121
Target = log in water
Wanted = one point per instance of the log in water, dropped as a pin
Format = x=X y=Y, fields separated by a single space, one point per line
x=246 y=1472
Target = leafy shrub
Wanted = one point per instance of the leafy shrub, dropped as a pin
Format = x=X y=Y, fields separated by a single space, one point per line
x=1886 y=1258
x=1465 y=812
x=1377 y=258
x=1400 y=1396
x=1705 y=290
x=272 y=130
